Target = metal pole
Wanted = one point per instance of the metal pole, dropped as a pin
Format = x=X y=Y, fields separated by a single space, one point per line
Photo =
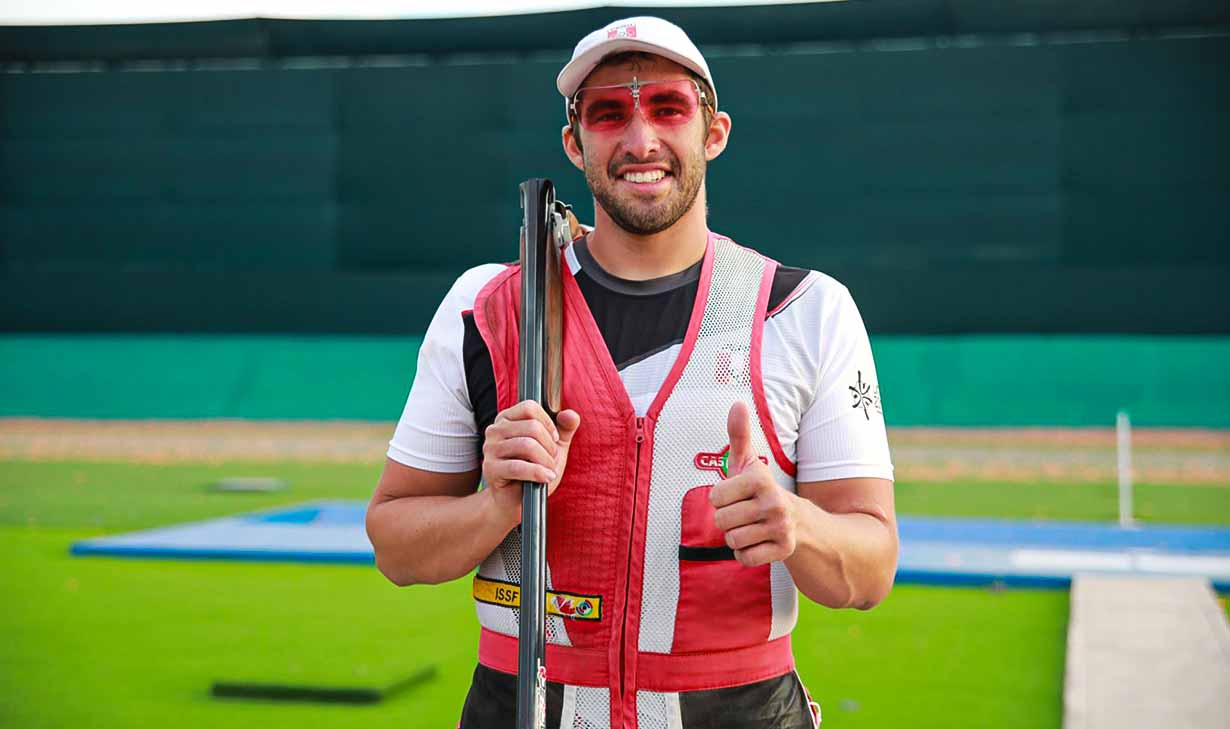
x=1123 y=431
x=536 y=199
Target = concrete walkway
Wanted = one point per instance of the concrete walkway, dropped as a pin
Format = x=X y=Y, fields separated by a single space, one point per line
x=1146 y=652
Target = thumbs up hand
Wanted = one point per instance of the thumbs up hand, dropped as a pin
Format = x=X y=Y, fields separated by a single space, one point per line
x=759 y=517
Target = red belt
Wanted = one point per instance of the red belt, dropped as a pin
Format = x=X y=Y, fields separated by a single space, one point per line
x=668 y=672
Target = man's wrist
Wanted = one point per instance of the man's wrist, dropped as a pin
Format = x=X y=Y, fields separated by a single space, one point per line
x=497 y=512
x=809 y=529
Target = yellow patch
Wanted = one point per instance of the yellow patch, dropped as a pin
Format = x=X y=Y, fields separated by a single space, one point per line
x=562 y=604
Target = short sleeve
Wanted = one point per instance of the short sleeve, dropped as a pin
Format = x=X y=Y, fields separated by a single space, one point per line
x=842 y=433
x=437 y=430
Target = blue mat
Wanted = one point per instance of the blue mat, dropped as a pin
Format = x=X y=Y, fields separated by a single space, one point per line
x=933 y=550
x=318 y=531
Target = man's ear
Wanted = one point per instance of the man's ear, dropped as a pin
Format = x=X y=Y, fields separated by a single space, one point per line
x=575 y=155
x=717 y=136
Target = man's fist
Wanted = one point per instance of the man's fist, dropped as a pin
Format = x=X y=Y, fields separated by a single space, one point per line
x=758 y=516
x=524 y=445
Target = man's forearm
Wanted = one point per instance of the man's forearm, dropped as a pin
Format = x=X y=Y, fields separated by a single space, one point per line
x=843 y=560
x=433 y=539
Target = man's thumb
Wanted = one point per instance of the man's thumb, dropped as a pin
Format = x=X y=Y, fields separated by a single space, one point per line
x=567 y=423
x=739 y=428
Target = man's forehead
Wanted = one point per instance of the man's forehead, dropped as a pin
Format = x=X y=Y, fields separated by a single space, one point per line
x=645 y=67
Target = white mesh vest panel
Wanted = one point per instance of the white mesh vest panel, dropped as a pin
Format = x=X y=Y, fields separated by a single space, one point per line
x=586 y=708
x=656 y=710
x=504 y=564
x=692 y=421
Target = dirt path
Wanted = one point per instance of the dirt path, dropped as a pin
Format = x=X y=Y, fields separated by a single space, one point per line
x=920 y=454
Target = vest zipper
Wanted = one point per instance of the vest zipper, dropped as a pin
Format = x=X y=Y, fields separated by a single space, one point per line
x=623 y=632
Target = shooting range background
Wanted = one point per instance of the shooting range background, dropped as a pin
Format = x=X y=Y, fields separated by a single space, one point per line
x=256 y=218
x=1058 y=175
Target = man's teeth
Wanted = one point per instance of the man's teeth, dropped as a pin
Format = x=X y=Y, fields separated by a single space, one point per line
x=651 y=176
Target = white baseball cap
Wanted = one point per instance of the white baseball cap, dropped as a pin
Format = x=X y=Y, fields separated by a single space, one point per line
x=643 y=33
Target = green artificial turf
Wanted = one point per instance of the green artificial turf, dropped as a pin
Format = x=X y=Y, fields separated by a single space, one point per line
x=97 y=642
x=938 y=658
x=125 y=496
x=1157 y=503
x=103 y=642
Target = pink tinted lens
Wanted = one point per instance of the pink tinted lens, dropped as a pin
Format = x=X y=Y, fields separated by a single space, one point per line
x=605 y=109
x=669 y=103
x=664 y=103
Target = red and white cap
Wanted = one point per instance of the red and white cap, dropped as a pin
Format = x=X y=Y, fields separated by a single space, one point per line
x=644 y=33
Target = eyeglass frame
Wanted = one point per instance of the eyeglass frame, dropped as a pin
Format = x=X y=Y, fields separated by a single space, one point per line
x=570 y=103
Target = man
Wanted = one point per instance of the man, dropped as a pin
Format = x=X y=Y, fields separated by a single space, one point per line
x=722 y=441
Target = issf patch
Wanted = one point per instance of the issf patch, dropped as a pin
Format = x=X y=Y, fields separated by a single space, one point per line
x=561 y=604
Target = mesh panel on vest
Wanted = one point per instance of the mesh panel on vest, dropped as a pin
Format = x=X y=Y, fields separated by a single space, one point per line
x=591 y=710
x=693 y=421
x=497 y=567
x=505 y=564
x=785 y=600
x=656 y=710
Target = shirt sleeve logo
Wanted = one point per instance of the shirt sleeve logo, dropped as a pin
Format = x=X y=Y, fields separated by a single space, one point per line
x=866 y=396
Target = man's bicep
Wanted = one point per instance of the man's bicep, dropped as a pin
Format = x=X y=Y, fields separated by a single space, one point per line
x=872 y=496
x=399 y=481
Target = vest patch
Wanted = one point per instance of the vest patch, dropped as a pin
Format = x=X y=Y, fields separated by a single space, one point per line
x=718 y=462
x=562 y=604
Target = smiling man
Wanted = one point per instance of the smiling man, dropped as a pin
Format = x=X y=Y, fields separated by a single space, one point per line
x=721 y=450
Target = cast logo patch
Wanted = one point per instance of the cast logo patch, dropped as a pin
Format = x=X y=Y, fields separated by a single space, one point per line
x=718 y=462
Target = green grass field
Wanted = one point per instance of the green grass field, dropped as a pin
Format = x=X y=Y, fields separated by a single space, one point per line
x=98 y=642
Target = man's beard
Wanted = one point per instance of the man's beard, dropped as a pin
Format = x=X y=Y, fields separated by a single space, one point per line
x=640 y=217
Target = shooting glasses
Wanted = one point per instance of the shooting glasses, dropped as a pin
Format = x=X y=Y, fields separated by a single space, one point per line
x=661 y=103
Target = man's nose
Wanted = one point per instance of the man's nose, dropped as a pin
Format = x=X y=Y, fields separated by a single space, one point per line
x=641 y=138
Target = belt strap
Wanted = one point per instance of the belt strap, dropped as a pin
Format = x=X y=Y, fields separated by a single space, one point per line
x=565 y=664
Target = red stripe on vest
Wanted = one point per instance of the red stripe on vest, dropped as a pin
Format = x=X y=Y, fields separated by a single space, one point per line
x=668 y=672
x=762 y=404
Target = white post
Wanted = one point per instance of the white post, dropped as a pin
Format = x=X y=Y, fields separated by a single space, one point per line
x=1123 y=429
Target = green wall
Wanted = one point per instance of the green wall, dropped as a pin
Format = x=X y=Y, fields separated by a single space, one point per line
x=956 y=380
x=1000 y=187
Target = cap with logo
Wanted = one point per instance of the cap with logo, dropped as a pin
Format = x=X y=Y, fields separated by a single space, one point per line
x=644 y=33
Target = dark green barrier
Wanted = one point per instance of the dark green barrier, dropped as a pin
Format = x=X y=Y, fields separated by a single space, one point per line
x=995 y=188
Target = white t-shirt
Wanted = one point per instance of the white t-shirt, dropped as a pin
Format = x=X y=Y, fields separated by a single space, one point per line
x=819 y=380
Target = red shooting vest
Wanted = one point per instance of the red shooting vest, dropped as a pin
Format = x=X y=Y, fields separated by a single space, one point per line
x=641 y=602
